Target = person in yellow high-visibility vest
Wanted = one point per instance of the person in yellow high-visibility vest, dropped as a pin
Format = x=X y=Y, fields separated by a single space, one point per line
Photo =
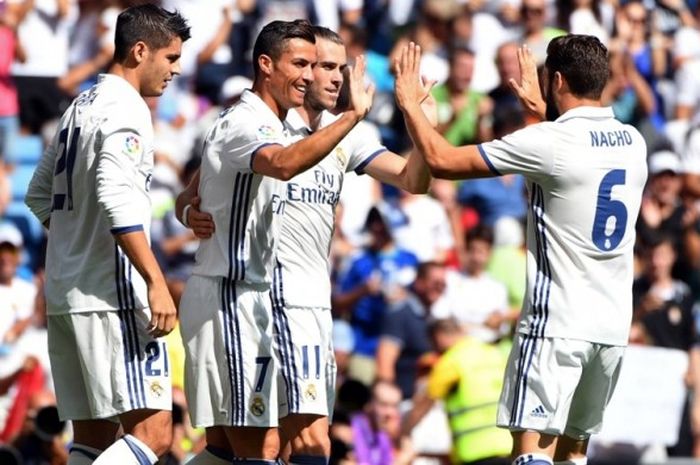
x=467 y=377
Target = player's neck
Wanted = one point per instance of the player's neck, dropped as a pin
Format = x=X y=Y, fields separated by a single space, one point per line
x=270 y=101
x=126 y=73
x=570 y=101
x=311 y=116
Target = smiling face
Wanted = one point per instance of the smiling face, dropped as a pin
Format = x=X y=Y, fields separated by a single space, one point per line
x=291 y=74
x=158 y=66
x=328 y=75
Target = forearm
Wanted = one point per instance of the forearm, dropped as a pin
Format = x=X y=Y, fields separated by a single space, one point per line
x=289 y=161
x=185 y=197
x=415 y=177
x=444 y=160
x=136 y=247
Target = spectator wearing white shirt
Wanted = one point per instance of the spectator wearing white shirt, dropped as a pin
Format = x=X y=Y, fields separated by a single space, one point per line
x=43 y=33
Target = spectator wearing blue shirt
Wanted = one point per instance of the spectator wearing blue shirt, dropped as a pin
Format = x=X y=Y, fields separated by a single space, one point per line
x=377 y=276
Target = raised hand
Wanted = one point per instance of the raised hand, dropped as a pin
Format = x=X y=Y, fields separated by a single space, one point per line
x=528 y=89
x=361 y=97
x=429 y=105
x=409 y=88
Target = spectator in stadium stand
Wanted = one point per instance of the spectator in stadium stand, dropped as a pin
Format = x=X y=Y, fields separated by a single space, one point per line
x=473 y=297
x=404 y=330
x=377 y=276
x=374 y=429
x=468 y=377
x=458 y=104
x=629 y=94
x=537 y=33
x=43 y=32
x=16 y=295
x=9 y=107
x=663 y=212
x=663 y=317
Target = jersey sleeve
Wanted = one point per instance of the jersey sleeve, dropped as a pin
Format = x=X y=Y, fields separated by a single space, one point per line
x=118 y=158
x=363 y=142
x=240 y=138
x=529 y=151
x=38 y=197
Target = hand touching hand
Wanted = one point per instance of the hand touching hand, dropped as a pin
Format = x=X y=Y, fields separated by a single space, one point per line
x=409 y=88
x=528 y=90
x=361 y=97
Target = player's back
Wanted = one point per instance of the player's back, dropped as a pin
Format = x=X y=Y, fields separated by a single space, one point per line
x=585 y=175
x=86 y=271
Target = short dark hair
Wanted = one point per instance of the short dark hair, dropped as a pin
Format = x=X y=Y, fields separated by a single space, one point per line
x=324 y=33
x=583 y=62
x=273 y=39
x=147 y=23
x=425 y=267
x=480 y=232
x=458 y=48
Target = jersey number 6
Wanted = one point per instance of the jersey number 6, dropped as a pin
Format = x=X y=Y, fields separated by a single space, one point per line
x=610 y=215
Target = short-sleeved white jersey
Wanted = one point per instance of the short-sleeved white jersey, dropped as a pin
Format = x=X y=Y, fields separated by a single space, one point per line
x=246 y=207
x=310 y=211
x=585 y=174
x=92 y=182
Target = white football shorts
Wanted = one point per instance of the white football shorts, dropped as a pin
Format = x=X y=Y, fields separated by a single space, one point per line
x=304 y=345
x=558 y=386
x=106 y=363
x=230 y=363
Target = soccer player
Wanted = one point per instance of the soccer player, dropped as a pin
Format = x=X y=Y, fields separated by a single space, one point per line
x=301 y=290
x=107 y=302
x=585 y=172
x=226 y=310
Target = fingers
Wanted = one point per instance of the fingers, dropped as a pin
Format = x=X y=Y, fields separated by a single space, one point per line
x=370 y=91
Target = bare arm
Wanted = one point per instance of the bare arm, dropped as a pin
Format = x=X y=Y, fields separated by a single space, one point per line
x=286 y=162
x=410 y=173
x=221 y=36
x=163 y=312
x=444 y=160
x=387 y=353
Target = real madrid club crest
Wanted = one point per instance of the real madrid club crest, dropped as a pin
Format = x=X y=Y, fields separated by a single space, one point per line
x=310 y=392
x=257 y=406
x=341 y=157
x=156 y=389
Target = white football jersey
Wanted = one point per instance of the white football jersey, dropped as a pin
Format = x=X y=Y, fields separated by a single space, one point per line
x=585 y=174
x=92 y=182
x=311 y=199
x=246 y=207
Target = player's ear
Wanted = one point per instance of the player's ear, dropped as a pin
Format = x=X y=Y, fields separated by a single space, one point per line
x=559 y=81
x=265 y=64
x=139 y=51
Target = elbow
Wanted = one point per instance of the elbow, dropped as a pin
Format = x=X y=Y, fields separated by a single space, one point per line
x=418 y=188
x=284 y=174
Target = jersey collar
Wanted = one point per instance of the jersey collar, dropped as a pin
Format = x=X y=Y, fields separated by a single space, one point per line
x=251 y=98
x=587 y=112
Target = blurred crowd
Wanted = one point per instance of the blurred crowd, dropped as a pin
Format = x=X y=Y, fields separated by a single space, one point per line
x=424 y=286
